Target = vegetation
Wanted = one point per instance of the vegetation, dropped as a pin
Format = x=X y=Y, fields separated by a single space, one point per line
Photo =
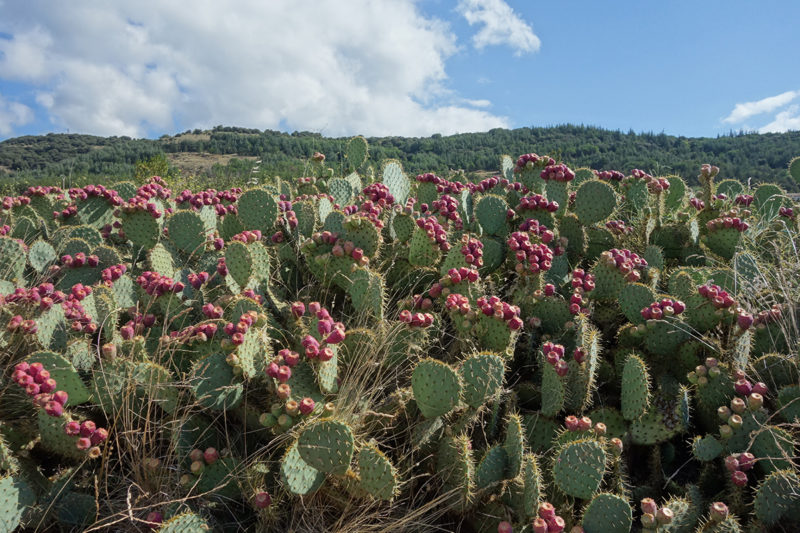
x=356 y=350
x=762 y=157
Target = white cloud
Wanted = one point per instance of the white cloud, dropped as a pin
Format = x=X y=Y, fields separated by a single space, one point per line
x=786 y=120
x=13 y=114
x=746 y=110
x=501 y=25
x=340 y=68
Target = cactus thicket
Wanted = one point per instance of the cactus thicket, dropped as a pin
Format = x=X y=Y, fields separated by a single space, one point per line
x=544 y=350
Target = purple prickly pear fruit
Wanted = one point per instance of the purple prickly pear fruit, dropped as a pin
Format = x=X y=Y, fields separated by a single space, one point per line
x=555 y=524
x=739 y=478
x=760 y=388
x=99 y=436
x=743 y=387
x=54 y=409
x=211 y=455
x=326 y=354
x=154 y=519
x=546 y=511
x=284 y=373
x=306 y=406
x=732 y=463
x=83 y=443
x=298 y=309
x=262 y=500
x=87 y=428
x=48 y=386
x=72 y=428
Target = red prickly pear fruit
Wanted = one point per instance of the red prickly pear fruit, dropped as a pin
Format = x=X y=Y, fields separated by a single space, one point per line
x=732 y=463
x=760 y=388
x=196 y=455
x=326 y=354
x=746 y=461
x=22 y=367
x=154 y=519
x=555 y=525
x=600 y=429
x=87 y=428
x=99 y=436
x=32 y=389
x=34 y=369
x=546 y=510
x=284 y=373
x=504 y=527
x=743 y=387
x=298 y=309
x=48 y=386
x=72 y=428
x=211 y=455
x=579 y=355
x=584 y=423
x=562 y=368
x=539 y=525
x=60 y=397
x=272 y=370
x=291 y=358
x=262 y=500
x=739 y=478
x=571 y=422
x=83 y=443
x=306 y=406
x=54 y=409
x=617 y=446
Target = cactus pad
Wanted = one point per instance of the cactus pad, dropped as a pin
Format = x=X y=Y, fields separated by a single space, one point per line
x=579 y=468
x=436 y=387
x=607 y=513
x=327 y=445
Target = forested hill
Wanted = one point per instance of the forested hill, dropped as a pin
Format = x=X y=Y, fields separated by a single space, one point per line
x=763 y=157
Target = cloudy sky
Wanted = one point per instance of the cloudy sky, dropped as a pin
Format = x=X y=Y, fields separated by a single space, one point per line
x=397 y=67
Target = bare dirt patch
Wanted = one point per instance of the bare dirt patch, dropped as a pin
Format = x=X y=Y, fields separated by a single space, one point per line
x=193 y=163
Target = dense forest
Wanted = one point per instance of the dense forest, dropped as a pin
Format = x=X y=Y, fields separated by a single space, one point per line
x=762 y=157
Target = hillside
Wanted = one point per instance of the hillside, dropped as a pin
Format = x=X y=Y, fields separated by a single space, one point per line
x=762 y=157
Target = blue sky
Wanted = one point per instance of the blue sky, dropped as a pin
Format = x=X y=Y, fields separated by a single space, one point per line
x=398 y=67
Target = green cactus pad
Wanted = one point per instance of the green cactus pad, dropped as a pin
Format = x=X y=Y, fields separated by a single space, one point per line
x=341 y=190
x=514 y=446
x=723 y=241
x=607 y=513
x=240 y=262
x=569 y=227
x=774 y=447
x=356 y=151
x=491 y=469
x=436 y=387
x=633 y=298
x=676 y=194
x=789 y=403
x=684 y=516
x=220 y=479
x=579 y=467
x=455 y=466
x=553 y=392
x=378 y=476
x=184 y=523
x=594 y=202
x=187 y=231
x=12 y=259
x=214 y=385
x=395 y=179
x=777 y=498
x=41 y=255
x=54 y=439
x=729 y=188
x=141 y=229
x=635 y=388
x=706 y=448
x=482 y=376
x=491 y=214
x=327 y=445
x=616 y=426
x=16 y=496
x=257 y=209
